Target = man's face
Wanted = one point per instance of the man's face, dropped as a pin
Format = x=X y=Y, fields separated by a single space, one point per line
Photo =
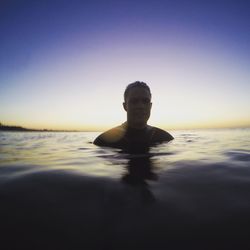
x=138 y=106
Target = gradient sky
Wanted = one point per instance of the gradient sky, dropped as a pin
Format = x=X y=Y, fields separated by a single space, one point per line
x=65 y=64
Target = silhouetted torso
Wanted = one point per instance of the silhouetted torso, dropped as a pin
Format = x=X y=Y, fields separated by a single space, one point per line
x=128 y=138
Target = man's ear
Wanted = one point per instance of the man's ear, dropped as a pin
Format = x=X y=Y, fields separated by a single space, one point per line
x=124 y=106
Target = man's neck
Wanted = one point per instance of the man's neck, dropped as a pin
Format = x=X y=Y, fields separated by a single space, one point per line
x=136 y=125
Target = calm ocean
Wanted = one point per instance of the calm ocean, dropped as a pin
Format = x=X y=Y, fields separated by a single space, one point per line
x=59 y=191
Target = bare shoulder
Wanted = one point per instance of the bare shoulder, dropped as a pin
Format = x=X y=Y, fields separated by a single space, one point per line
x=160 y=135
x=110 y=136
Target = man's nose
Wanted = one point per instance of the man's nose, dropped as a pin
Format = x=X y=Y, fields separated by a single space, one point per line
x=140 y=103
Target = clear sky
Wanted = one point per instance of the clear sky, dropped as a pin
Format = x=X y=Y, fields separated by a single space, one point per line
x=65 y=64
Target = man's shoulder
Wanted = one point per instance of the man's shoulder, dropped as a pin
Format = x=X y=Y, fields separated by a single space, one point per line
x=110 y=137
x=160 y=135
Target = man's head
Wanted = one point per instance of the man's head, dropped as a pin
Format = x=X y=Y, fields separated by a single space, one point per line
x=137 y=103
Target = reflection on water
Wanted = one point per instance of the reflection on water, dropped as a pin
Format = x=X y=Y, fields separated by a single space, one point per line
x=139 y=170
x=59 y=191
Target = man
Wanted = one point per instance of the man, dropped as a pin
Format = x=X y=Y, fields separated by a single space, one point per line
x=135 y=133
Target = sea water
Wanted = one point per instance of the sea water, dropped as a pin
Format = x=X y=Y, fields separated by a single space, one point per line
x=59 y=191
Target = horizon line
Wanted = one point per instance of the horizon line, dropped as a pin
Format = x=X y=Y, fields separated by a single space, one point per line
x=104 y=129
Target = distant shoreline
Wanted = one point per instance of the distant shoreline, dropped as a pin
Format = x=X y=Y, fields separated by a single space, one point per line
x=21 y=129
x=8 y=128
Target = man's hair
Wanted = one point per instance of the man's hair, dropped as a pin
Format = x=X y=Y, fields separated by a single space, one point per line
x=136 y=84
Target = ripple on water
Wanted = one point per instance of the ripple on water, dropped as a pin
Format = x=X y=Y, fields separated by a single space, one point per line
x=239 y=155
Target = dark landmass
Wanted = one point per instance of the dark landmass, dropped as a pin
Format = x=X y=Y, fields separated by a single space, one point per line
x=19 y=128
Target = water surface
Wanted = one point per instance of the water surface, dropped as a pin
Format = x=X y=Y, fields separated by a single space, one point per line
x=59 y=191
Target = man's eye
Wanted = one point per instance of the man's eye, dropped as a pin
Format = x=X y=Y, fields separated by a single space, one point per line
x=134 y=101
